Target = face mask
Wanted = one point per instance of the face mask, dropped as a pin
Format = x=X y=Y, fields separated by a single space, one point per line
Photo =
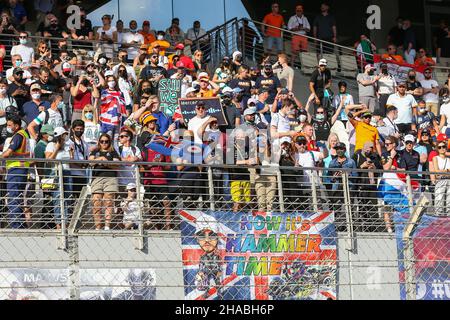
x=367 y=154
x=226 y=63
x=36 y=96
x=340 y=153
x=23 y=41
x=64 y=48
x=66 y=139
x=302 y=118
x=9 y=130
x=371 y=73
x=18 y=63
x=226 y=100
x=446 y=99
x=85 y=82
x=422 y=110
x=61 y=105
x=3 y=91
x=133 y=29
x=250 y=122
x=160 y=37
x=89 y=116
x=384 y=71
x=123 y=74
x=102 y=61
x=147 y=90
x=412 y=77
x=78 y=134
x=123 y=58
x=66 y=74
x=50 y=138
x=111 y=84
x=320 y=117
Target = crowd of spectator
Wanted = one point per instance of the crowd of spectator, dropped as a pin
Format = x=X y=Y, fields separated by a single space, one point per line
x=103 y=109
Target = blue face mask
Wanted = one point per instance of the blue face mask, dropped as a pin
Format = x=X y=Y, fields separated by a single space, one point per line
x=18 y=63
x=89 y=116
x=61 y=105
x=320 y=117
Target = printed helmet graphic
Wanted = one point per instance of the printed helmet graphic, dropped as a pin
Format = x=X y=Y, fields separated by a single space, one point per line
x=139 y=281
x=206 y=222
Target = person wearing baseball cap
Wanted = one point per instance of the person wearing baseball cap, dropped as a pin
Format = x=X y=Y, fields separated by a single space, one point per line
x=208 y=88
x=320 y=82
x=46 y=136
x=181 y=74
x=410 y=159
x=269 y=81
x=33 y=108
x=148 y=34
x=367 y=83
x=365 y=132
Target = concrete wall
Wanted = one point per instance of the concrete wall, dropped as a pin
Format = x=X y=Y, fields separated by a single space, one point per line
x=370 y=273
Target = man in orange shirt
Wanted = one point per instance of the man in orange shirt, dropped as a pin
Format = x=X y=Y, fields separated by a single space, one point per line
x=273 y=36
x=392 y=54
x=149 y=35
x=423 y=59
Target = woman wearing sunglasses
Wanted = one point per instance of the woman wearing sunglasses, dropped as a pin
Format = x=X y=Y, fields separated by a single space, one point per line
x=441 y=164
x=104 y=184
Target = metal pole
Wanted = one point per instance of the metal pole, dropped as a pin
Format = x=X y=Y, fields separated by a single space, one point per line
x=140 y=202
x=410 y=194
x=211 y=189
x=74 y=267
x=62 y=207
x=314 y=192
x=118 y=9
x=224 y=11
x=348 y=211
x=280 y=191
x=173 y=12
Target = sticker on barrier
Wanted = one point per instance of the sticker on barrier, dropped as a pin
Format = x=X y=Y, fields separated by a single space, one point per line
x=230 y=256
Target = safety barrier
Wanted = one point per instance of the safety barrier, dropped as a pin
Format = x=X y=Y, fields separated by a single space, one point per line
x=322 y=232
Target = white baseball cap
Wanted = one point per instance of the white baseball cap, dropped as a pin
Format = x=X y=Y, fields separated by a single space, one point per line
x=410 y=138
x=109 y=73
x=285 y=139
x=190 y=90
x=206 y=222
x=323 y=62
x=59 y=132
x=249 y=111
x=236 y=53
x=131 y=186
x=251 y=100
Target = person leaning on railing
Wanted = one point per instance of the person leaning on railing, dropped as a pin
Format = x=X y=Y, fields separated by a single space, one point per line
x=441 y=181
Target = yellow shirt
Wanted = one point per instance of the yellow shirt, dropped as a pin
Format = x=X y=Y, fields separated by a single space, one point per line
x=164 y=45
x=365 y=133
x=206 y=94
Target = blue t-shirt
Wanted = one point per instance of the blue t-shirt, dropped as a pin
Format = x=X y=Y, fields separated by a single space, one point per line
x=424 y=121
x=163 y=121
x=30 y=110
x=16 y=142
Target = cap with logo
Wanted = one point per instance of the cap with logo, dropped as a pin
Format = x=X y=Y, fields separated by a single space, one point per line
x=18 y=70
x=180 y=65
x=203 y=76
x=59 y=132
x=35 y=86
x=369 y=67
x=340 y=146
x=442 y=137
x=252 y=101
x=227 y=91
x=131 y=186
x=66 y=67
x=323 y=62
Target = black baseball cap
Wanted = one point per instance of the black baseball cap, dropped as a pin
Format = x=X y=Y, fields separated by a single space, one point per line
x=284 y=91
x=340 y=146
x=18 y=70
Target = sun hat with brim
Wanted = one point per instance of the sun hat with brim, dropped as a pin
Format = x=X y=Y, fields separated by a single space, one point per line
x=410 y=138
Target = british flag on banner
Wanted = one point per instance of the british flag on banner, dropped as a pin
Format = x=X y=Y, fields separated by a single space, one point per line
x=260 y=256
x=112 y=108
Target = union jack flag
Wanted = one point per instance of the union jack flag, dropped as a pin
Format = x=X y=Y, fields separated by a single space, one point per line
x=316 y=281
x=112 y=108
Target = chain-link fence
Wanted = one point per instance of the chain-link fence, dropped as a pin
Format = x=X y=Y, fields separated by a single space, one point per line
x=114 y=230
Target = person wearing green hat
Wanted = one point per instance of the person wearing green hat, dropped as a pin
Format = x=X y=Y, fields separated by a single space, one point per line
x=45 y=136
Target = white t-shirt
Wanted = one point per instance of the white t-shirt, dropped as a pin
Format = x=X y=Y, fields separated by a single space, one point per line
x=386 y=85
x=126 y=87
x=282 y=124
x=27 y=54
x=186 y=83
x=91 y=133
x=430 y=84
x=63 y=154
x=404 y=105
x=108 y=49
x=54 y=118
x=127 y=173
x=5 y=103
x=194 y=125
x=307 y=160
x=26 y=75
x=129 y=37
x=445 y=110
x=130 y=212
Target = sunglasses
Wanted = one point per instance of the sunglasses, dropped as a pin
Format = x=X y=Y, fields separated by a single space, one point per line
x=301 y=143
x=206 y=235
x=124 y=136
x=201 y=108
x=388 y=144
x=409 y=142
x=442 y=147
x=425 y=134
x=154 y=57
x=104 y=141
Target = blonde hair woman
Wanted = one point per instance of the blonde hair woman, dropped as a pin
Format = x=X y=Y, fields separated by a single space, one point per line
x=89 y=116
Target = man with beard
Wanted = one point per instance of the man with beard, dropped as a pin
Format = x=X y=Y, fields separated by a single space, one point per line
x=270 y=82
x=18 y=89
x=430 y=91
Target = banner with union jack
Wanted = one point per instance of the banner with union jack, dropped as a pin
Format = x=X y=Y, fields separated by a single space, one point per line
x=260 y=256
x=112 y=108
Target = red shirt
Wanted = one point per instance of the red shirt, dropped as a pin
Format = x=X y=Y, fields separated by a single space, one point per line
x=154 y=175
x=275 y=20
x=82 y=99
x=1 y=59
